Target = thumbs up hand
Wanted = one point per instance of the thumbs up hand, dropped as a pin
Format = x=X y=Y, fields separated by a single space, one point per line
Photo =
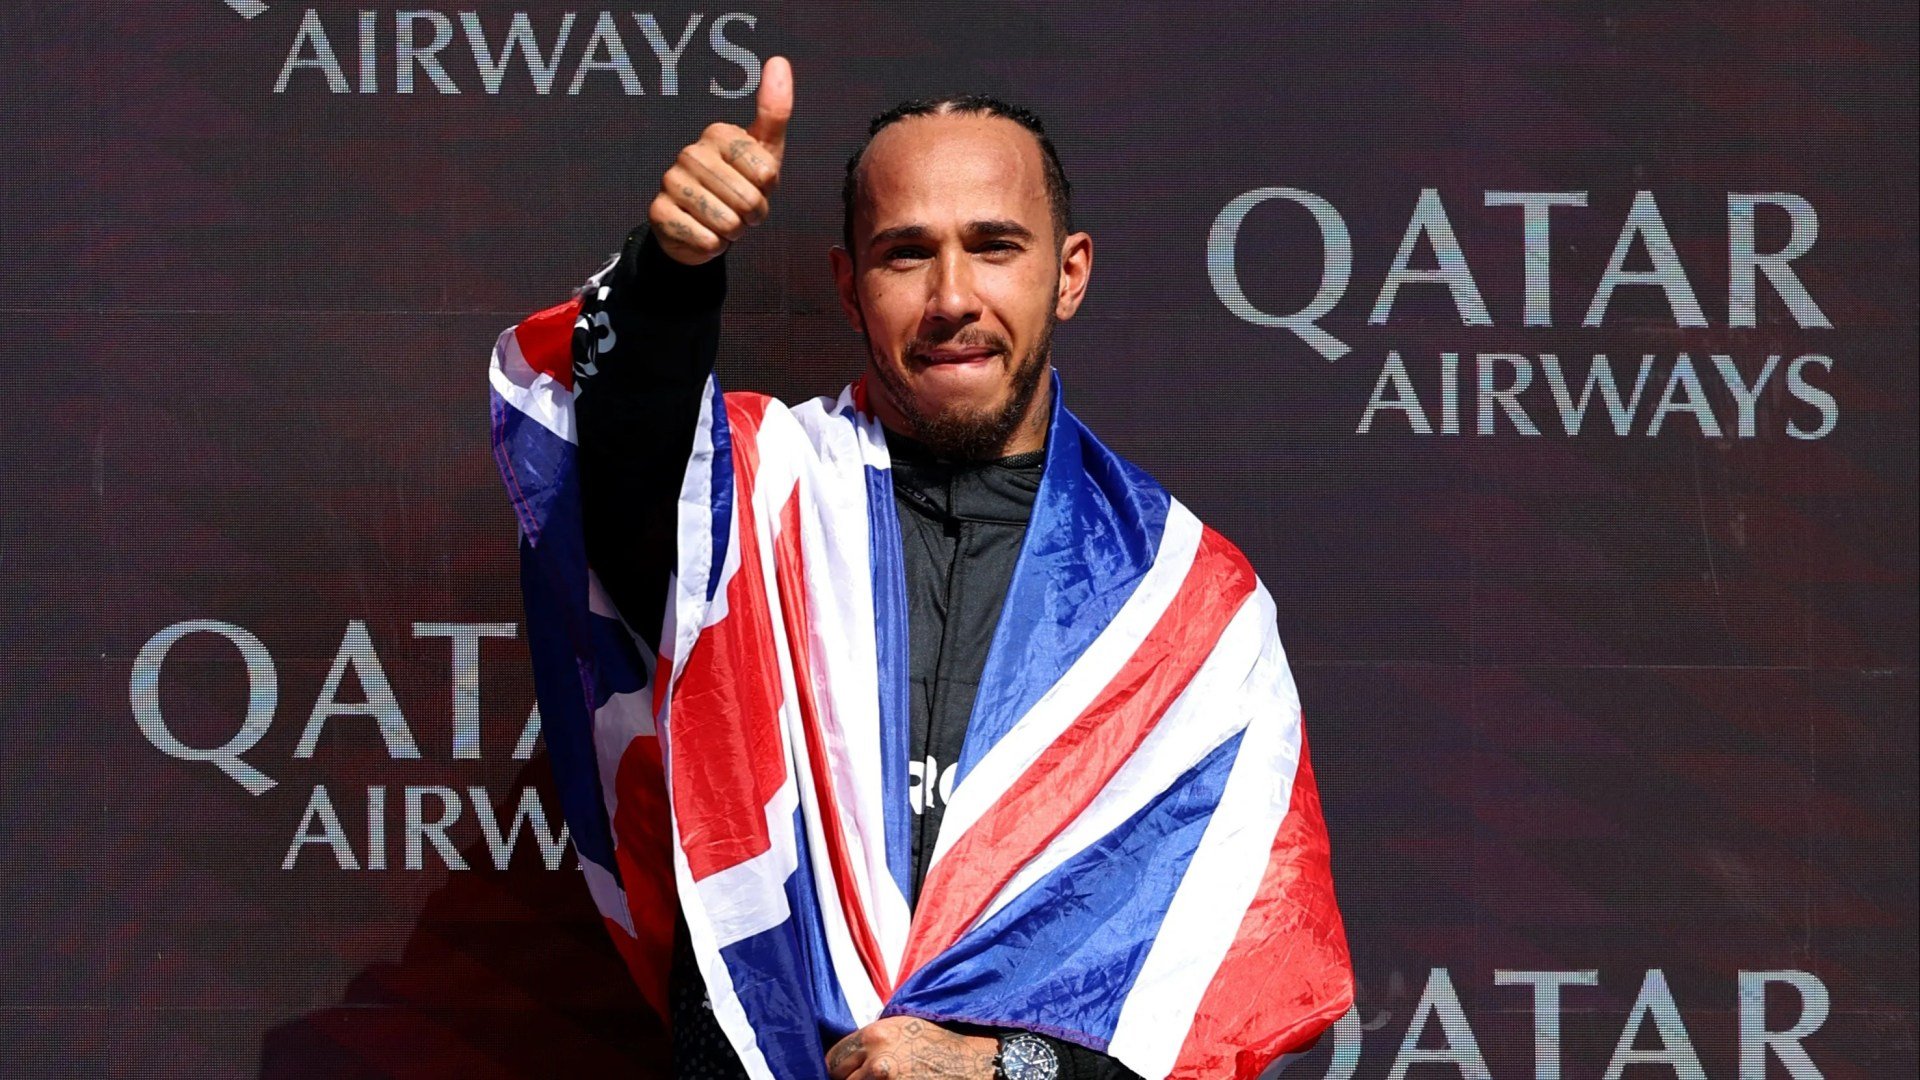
x=717 y=188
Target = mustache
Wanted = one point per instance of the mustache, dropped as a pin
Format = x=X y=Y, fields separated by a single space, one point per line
x=970 y=338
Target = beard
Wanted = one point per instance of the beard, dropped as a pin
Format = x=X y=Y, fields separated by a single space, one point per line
x=958 y=432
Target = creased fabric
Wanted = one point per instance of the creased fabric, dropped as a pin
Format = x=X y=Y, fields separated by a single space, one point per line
x=1132 y=857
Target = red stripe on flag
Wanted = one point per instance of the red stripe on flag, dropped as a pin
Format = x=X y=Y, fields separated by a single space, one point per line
x=790 y=573
x=643 y=850
x=662 y=676
x=1070 y=772
x=546 y=340
x=646 y=859
x=723 y=722
x=1287 y=975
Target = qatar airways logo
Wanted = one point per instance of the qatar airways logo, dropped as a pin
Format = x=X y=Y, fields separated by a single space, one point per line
x=402 y=825
x=561 y=53
x=1527 y=392
x=1654 y=1038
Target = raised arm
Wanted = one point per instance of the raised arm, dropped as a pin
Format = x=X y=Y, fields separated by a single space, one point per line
x=645 y=342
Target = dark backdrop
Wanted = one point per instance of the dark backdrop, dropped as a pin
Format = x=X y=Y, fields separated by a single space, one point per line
x=1592 y=701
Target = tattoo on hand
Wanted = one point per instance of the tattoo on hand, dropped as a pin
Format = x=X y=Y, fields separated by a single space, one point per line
x=909 y=1048
x=938 y=1054
x=841 y=1053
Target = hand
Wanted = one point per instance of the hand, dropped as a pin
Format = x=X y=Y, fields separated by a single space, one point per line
x=909 y=1048
x=717 y=187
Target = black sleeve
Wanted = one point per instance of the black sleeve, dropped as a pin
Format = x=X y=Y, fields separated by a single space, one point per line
x=1076 y=1061
x=644 y=344
x=1079 y=1063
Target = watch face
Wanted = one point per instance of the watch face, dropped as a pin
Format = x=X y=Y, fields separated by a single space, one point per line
x=1026 y=1057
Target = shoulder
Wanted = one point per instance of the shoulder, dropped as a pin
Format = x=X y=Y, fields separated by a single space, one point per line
x=770 y=417
x=822 y=437
x=1125 y=483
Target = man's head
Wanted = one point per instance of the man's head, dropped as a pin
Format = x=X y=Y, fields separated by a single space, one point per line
x=958 y=260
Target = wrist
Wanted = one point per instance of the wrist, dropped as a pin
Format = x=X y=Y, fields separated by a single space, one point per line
x=651 y=281
x=1022 y=1055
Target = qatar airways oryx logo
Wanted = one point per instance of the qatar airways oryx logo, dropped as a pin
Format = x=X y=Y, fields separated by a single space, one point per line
x=1718 y=392
x=552 y=52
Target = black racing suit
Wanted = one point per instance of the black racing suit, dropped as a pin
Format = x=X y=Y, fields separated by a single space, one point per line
x=642 y=355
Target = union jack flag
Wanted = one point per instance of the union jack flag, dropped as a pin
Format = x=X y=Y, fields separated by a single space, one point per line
x=1133 y=858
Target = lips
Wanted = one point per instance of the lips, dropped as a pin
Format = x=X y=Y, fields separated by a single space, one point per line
x=958 y=356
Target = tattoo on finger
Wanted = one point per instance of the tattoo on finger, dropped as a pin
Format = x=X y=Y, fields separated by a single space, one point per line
x=741 y=150
x=845 y=1050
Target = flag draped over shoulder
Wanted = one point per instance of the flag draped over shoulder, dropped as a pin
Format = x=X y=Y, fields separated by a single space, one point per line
x=1133 y=857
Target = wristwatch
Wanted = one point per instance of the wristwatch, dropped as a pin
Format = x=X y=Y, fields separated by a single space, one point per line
x=1025 y=1056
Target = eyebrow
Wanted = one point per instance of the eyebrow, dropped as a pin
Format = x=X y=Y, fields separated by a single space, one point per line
x=974 y=230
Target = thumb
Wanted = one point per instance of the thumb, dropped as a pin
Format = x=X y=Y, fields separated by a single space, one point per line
x=773 y=105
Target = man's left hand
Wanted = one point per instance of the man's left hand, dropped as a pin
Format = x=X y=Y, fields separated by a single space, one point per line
x=909 y=1048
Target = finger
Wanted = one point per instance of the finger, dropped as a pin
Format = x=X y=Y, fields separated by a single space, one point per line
x=760 y=166
x=702 y=203
x=773 y=106
x=681 y=237
x=847 y=1055
x=740 y=194
x=878 y=1068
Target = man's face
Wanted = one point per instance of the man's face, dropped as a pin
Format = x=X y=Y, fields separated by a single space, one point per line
x=956 y=281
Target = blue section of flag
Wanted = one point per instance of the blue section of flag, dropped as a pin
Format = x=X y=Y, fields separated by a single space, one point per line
x=721 y=488
x=1095 y=530
x=1062 y=957
x=836 y=1018
x=890 y=643
x=785 y=982
x=536 y=465
x=568 y=674
x=617 y=662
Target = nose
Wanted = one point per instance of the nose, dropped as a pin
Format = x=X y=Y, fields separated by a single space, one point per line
x=951 y=298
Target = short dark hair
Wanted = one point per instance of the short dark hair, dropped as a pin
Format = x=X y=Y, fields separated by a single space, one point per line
x=1059 y=192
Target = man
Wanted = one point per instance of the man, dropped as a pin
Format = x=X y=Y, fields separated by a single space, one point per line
x=1110 y=685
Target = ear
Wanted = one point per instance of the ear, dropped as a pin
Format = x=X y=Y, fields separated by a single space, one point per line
x=844 y=283
x=1076 y=267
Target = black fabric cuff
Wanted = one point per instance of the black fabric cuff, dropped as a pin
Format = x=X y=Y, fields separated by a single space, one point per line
x=648 y=280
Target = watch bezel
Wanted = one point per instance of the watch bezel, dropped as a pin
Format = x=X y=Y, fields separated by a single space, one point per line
x=1049 y=1070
